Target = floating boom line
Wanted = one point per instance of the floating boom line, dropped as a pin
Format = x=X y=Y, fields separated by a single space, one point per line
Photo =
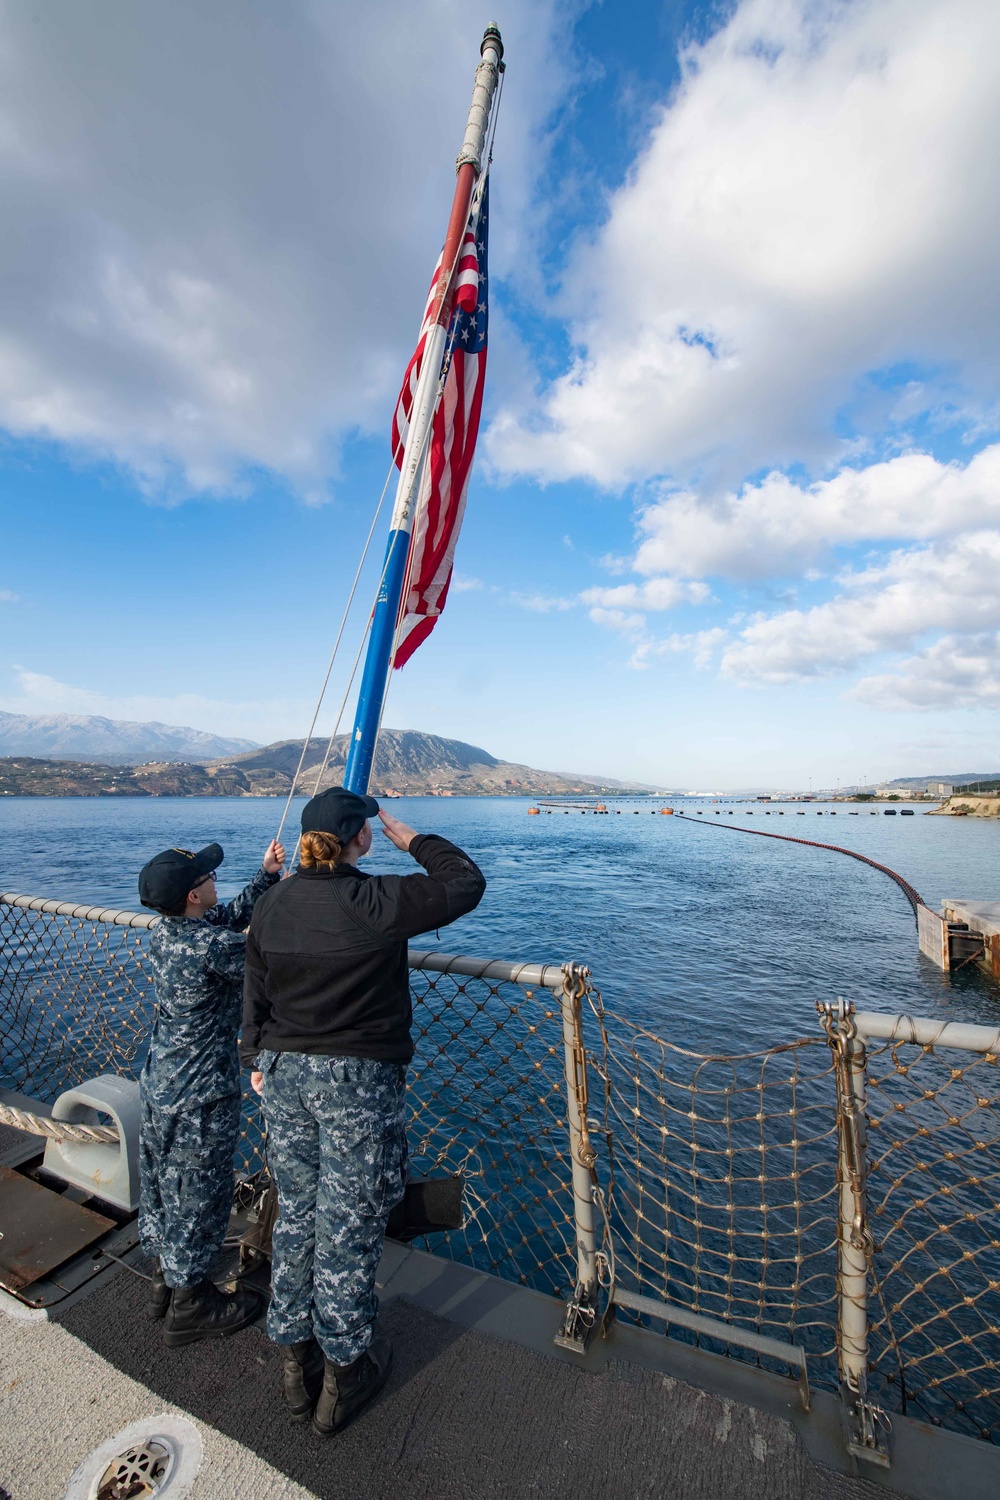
x=911 y=895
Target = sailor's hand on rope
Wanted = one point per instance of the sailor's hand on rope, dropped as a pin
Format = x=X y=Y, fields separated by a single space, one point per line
x=396 y=832
x=274 y=857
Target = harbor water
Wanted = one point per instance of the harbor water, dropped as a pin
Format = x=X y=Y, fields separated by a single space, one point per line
x=711 y=938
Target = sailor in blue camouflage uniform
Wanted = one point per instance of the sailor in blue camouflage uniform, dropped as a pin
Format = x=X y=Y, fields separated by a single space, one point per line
x=326 y=1024
x=190 y=1089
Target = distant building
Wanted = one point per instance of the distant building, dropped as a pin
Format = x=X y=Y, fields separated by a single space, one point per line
x=941 y=788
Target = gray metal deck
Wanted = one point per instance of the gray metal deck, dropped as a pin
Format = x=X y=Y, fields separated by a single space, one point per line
x=479 y=1403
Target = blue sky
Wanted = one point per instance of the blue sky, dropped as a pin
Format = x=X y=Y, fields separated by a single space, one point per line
x=735 y=518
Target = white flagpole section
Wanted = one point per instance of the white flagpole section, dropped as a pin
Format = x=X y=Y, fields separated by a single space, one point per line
x=378 y=662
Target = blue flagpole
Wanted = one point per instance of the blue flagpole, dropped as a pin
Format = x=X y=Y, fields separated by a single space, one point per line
x=378 y=661
x=378 y=664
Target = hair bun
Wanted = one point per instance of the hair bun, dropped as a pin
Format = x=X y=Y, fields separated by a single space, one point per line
x=318 y=849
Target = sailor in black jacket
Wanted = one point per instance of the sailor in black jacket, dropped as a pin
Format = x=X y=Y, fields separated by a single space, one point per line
x=326 y=1024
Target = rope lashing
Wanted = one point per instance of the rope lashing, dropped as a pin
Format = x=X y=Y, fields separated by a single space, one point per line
x=911 y=895
x=58 y=1130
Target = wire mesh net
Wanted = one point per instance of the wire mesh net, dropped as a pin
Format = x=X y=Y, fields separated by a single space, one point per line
x=934 y=1213
x=488 y=1092
x=75 y=1000
x=486 y=1086
x=722 y=1181
x=720 y=1172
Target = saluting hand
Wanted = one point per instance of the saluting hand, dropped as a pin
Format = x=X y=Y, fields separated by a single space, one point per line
x=274 y=857
x=397 y=832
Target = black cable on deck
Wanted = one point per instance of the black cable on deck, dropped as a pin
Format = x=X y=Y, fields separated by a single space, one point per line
x=911 y=895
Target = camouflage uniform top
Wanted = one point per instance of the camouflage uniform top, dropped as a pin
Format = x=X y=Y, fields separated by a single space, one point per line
x=198 y=979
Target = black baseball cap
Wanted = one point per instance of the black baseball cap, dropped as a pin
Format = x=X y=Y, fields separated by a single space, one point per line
x=166 y=879
x=339 y=812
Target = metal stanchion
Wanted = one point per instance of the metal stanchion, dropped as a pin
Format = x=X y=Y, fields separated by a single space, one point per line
x=865 y=1424
x=580 y=1317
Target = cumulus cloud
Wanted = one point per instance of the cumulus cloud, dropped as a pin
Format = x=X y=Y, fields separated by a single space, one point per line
x=952 y=673
x=219 y=227
x=950 y=587
x=778 y=526
x=809 y=207
x=701 y=645
x=658 y=593
x=618 y=619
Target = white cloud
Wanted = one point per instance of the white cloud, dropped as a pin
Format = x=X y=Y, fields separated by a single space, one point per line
x=260 y=719
x=949 y=587
x=810 y=206
x=463 y=585
x=541 y=604
x=220 y=231
x=657 y=594
x=777 y=526
x=618 y=619
x=952 y=673
x=701 y=644
x=7 y=596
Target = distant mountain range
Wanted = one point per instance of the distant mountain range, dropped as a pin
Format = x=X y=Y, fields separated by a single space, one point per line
x=408 y=763
x=114 y=742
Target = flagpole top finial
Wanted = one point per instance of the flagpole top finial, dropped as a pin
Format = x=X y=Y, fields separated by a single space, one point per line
x=491 y=38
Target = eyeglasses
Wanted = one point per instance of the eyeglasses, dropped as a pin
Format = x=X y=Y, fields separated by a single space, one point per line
x=204 y=881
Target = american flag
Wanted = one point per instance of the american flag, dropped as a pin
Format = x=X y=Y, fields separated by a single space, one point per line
x=441 y=503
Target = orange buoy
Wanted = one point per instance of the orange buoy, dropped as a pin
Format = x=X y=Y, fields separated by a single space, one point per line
x=533 y=812
x=667 y=811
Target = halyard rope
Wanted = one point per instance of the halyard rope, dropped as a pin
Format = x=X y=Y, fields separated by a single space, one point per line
x=336 y=648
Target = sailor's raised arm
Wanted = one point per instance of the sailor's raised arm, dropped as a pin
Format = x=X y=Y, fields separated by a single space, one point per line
x=236 y=914
x=453 y=886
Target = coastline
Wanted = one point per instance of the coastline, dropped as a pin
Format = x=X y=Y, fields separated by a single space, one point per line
x=964 y=805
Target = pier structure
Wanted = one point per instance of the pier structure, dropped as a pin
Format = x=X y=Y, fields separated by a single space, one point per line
x=964 y=932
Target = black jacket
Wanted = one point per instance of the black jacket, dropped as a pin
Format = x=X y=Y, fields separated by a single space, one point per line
x=326 y=954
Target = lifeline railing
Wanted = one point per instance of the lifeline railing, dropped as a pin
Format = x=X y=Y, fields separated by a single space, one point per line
x=827 y=1205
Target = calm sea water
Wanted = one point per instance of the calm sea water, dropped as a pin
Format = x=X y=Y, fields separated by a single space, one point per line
x=709 y=937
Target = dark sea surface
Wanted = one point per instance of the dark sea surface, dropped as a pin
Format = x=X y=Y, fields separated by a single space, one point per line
x=713 y=939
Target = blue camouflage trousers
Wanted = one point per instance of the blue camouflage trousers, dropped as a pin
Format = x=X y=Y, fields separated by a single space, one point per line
x=186 y=1184
x=336 y=1149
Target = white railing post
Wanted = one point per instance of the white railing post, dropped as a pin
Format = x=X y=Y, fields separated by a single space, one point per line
x=581 y=1311
x=865 y=1424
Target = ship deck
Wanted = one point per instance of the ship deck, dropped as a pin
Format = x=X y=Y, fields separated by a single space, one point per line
x=479 y=1403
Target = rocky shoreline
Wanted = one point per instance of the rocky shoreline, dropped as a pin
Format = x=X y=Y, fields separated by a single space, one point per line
x=964 y=805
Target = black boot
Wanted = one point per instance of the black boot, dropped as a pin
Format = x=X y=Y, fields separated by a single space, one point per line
x=304 y=1370
x=159 y=1293
x=203 y=1312
x=346 y=1388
